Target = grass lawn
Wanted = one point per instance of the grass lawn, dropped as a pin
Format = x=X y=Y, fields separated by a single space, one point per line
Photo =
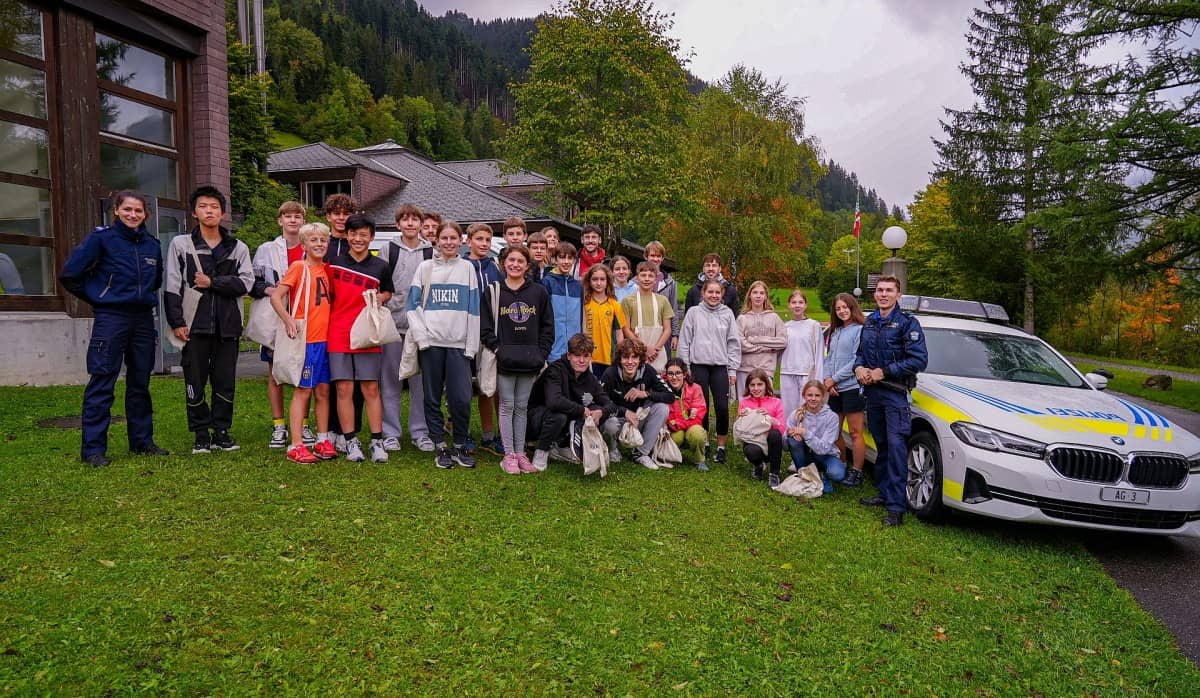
x=1136 y=362
x=282 y=140
x=240 y=573
x=1185 y=394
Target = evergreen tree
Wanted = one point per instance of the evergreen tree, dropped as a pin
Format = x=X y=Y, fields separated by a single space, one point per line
x=1023 y=162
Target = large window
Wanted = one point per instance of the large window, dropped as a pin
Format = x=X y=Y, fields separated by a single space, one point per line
x=27 y=258
x=315 y=193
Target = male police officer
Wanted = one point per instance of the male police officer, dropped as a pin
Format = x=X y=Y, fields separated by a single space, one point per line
x=890 y=355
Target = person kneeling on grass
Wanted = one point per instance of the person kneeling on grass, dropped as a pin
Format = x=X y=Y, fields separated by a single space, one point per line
x=632 y=384
x=686 y=417
x=314 y=237
x=760 y=397
x=812 y=433
x=567 y=390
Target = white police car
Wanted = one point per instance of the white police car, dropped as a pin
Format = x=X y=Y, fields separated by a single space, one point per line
x=1004 y=426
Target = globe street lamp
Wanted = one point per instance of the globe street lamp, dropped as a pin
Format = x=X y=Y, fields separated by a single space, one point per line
x=894 y=238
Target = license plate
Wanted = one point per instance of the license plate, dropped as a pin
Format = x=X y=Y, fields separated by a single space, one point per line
x=1114 y=494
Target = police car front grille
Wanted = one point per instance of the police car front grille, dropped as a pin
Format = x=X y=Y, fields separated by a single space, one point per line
x=1086 y=512
x=1156 y=470
x=1086 y=464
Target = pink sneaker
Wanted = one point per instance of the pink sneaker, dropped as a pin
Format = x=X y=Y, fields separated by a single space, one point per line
x=509 y=464
x=524 y=463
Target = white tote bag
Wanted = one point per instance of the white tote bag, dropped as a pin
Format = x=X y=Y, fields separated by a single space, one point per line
x=805 y=483
x=191 y=299
x=666 y=452
x=262 y=324
x=487 y=357
x=650 y=332
x=595 y=451
x=374 y=326
x=631 y=436
x=410 y=358
x=288 y=366
x=752 y=428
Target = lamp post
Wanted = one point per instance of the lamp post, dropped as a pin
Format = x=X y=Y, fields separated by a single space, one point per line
x=894 y=238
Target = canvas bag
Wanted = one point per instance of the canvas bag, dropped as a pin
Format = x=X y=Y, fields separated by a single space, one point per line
x=752 y=428
x=631 y=436
x=595 y=451
x=666 y=452
x=374 y=326
x=487 y=358
x=410 y=359
x=806 y=482
x=262 y=324
x=650 y=333
x=288 y=366
x=191 y=299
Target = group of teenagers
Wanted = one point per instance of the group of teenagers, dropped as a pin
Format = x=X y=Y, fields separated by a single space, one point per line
x=571 y=335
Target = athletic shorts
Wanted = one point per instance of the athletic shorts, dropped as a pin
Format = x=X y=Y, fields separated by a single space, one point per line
x=316 y=365
x=847 y=402
x=266 y=354
x=355 y=367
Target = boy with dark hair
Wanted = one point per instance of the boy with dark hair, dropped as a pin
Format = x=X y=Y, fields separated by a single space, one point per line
x=212 y=335
x=566 y=391
x=338 y=208
x=592 y=253
x=632 y=385
x=539 y=253
x=403 y=255
x=443 y=319
x=431 y=222
x=349 y=275
x=515 y=231
x=479 y=248
x=271 y=262
x=566 y=297
x=712 y=271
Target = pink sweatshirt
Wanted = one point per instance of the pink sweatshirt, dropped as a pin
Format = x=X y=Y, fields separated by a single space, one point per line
x=772 y=405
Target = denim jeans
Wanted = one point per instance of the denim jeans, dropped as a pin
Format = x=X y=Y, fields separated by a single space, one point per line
x=829 y=464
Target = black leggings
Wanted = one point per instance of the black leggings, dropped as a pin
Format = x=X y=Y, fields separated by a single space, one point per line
x=714 y=379
x=754 y=453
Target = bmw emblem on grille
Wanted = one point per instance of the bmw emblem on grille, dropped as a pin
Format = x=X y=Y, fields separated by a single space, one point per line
x=1118 y=440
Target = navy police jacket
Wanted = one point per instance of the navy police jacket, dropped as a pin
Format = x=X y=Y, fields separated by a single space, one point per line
x=115 y=267
x=895 y=343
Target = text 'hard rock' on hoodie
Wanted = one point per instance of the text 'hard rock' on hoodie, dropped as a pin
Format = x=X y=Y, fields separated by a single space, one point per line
x=443 y=305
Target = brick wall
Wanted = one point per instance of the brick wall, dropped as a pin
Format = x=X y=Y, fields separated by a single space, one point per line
x=371 y=187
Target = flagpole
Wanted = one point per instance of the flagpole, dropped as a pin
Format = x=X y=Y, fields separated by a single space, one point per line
x=857 y=248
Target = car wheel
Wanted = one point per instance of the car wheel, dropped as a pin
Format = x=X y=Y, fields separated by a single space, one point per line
x=924 y=485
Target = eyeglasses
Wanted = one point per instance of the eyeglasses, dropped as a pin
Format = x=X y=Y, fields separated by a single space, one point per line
x=674 y=373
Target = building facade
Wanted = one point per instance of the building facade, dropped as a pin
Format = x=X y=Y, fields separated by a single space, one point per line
x=96 y=96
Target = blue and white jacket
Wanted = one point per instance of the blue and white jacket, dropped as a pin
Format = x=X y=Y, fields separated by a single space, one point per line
x=839 y=356
x=566 y=297
x=443 y=305
x=896 y=344
x=115 y=267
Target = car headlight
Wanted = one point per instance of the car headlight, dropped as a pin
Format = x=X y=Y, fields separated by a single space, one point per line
x=993 y=440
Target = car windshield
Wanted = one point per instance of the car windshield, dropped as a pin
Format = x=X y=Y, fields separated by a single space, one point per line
x=998 y=357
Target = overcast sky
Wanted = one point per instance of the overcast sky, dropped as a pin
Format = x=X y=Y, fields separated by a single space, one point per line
x=875 y=74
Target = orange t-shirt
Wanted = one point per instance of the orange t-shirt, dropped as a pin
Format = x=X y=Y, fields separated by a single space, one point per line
x=316 y=311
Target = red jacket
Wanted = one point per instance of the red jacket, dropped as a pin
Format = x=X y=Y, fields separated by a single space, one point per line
x=692 y=397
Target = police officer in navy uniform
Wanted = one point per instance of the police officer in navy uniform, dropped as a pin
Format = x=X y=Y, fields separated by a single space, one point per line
x=890 y=355
x=118 y=269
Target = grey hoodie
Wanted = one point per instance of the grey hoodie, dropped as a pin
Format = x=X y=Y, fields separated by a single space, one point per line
x=710 y=336
x=820 y=429
x=407 y=261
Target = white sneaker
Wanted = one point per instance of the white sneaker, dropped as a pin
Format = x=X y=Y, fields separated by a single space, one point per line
x=646 y=462
x=541 y=460
x=424 y=443
x=279 y=437
x=307 y=436
x=339 y=443
x=379 y=452
x=354 y=452
x=391 y=443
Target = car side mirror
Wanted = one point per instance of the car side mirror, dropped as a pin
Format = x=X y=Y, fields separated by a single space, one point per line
x=1098 y=380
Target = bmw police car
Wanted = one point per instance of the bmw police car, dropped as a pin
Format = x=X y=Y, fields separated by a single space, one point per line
x=1004 y=426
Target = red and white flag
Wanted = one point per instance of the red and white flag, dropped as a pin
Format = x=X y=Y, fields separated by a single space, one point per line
x=857 y=220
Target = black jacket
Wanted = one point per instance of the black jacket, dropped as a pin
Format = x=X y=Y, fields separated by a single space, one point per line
x=695 y=295
x=525 y=334
x=115 y=267
x=228 y=264
x=616 y=386
x=560 y=390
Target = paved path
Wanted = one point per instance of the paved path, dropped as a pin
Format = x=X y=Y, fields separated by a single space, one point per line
x=1160 y=571
x=1177 y=375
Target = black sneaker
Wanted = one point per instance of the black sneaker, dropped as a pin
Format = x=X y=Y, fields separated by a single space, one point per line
x=876 y=501
x=854 y=478
x=893 y=518
x=459 y=455
x=773 y=480
x=720 y=457
x=97 y=460
x=757 y=473
x=443 y=459
x=150 y=449
x=223 y=441
x=202 y=445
